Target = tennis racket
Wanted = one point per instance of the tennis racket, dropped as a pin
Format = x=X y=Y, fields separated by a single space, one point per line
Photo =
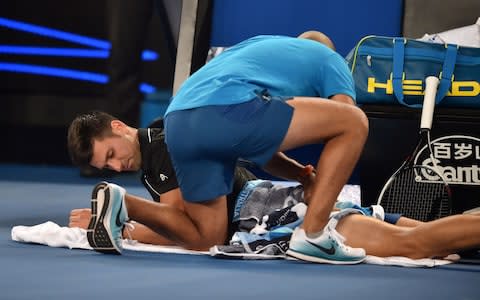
x=411 y=191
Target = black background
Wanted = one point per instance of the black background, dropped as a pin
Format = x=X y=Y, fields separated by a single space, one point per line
x=35 y=110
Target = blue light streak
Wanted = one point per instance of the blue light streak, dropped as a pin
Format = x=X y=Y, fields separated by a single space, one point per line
x=64 y=73
x=63 y=35
x=57 y=34
x=67 y=52
x=101 y=51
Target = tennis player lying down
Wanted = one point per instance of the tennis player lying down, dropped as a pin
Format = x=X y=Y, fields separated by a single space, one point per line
x=145 y=150
x=395 y=236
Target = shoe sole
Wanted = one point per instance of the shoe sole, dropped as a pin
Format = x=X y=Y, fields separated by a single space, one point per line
x=296 y=255
x=98 y=236
x=216 y=252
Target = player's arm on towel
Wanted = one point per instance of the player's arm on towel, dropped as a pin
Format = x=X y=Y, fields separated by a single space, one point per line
x=285 y=167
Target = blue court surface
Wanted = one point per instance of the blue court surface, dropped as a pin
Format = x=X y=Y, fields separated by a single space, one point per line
x=32 y=195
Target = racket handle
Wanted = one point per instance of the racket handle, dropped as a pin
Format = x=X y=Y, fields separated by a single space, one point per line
x=431 y=84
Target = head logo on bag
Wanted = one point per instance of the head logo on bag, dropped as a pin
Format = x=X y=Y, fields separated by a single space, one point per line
x=415 y=87
x=457 y=157
x=391 y=70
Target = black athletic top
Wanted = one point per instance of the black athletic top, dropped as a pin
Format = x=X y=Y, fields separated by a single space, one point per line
x=158 y=174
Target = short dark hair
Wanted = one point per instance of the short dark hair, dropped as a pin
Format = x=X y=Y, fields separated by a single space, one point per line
x=81 y=133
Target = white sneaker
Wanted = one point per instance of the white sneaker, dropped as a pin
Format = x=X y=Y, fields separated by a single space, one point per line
x=327 y=248
x=109 y=215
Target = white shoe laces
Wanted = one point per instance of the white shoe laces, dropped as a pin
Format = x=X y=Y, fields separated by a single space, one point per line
x=335 y=235
x=129 y=226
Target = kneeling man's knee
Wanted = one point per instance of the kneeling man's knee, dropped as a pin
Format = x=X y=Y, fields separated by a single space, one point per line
x=359 y=122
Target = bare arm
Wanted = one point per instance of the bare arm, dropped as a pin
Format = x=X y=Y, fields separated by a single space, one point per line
x=284 y=167
x=287 y=168
x=343 y=99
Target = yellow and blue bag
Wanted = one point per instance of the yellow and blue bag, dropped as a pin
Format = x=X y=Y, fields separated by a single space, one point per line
x=389 y=70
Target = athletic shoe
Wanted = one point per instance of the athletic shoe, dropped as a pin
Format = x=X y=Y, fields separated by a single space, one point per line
x=109 y=215
x=327 y=248
x=238 y=251
x=244 y=245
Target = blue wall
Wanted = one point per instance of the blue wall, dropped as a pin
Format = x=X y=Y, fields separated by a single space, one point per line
x=345 y=21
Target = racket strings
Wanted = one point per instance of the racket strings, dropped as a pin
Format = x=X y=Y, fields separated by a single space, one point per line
x=415 y=199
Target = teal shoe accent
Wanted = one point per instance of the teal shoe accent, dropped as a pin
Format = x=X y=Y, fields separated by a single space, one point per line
x=109 y=215
x=327 y=248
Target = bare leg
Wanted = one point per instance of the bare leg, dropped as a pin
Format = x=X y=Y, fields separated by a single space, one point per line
x=407 y=222
x=189 y=228
x=81 y=217
x=438 y=238
x=344 y=129
x=143 y=234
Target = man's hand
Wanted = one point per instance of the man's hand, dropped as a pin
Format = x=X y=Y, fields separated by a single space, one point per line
x=307 y=180
x=80 y=217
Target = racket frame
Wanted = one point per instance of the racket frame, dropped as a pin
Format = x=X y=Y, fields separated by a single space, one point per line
x=431 y=84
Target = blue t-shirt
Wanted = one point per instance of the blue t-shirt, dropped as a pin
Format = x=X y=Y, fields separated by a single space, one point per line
x=284 y=66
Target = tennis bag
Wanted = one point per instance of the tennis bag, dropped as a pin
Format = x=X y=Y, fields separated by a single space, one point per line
x=390 y=70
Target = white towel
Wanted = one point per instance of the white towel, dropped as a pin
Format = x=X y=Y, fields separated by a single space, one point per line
x=468 y=36
x=53 y=235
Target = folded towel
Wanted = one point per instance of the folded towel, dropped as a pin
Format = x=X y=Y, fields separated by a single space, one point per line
x=53 y=235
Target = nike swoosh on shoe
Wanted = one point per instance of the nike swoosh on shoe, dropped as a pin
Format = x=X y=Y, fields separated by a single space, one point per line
x=117 y=219
x=329 y=251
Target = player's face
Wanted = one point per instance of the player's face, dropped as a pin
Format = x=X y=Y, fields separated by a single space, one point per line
x=120 y=152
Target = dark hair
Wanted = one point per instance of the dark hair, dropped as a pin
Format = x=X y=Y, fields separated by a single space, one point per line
x=81 y=133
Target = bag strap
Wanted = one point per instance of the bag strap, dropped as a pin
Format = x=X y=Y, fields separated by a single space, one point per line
x=397 y=72
x=446 y=76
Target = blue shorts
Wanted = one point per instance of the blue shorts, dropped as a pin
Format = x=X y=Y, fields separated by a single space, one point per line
x=206 y=142
x=392 y=218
